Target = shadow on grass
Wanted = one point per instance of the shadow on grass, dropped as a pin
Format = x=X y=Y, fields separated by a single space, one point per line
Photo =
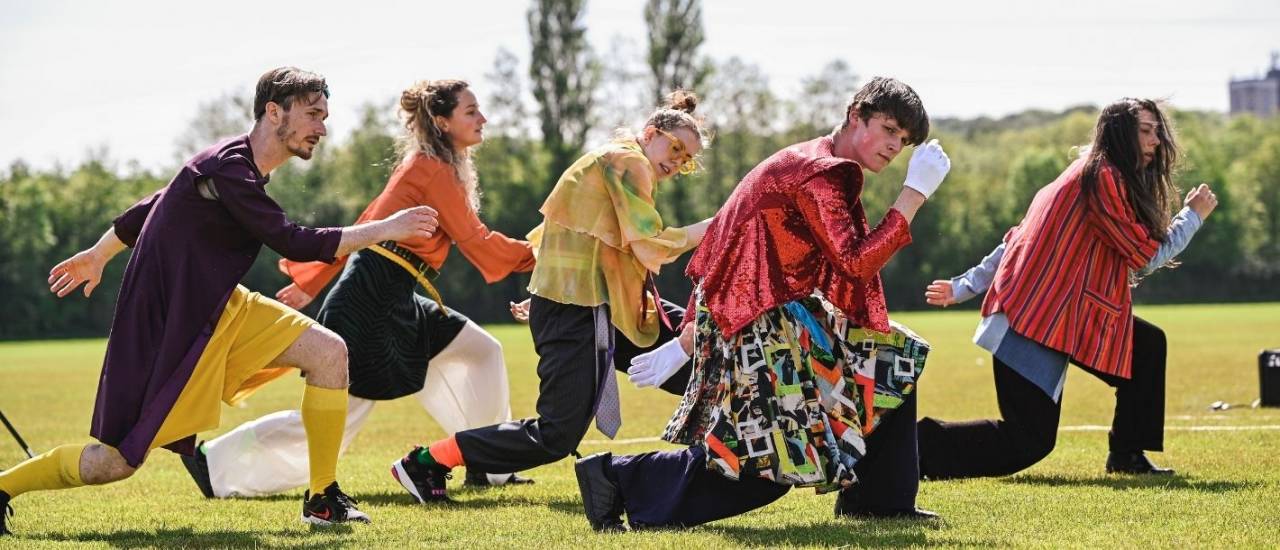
x=189 y=538
x=1124 y=483
x=894 y=533
x=471 y=499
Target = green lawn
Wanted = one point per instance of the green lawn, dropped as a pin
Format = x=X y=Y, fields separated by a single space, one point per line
x=1227 y=492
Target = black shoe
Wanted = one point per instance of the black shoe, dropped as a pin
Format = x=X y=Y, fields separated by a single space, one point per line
x=6 y=512
x=476 y=478
x=332 y=506
x=1134 y=463
x=852 y=510
x=889 y=513
x=426 y=482
x=198 y=466
x=600 y=497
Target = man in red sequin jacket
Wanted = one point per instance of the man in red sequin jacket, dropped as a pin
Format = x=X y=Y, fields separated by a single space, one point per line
x=793 y=226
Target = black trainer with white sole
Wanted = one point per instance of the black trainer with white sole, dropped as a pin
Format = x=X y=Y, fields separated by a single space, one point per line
x=331 y=507
x=426 y=482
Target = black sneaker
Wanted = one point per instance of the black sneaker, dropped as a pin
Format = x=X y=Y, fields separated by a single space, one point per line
x=600 y=495
x=1135 y=463
x=476 y=478
x=198 y=466
x=426 y=482
x=331 y=507
x=919 y=514
x=6 y=512
x=849 y=508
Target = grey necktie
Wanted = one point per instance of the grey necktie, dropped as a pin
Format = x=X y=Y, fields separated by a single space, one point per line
x=608 y=410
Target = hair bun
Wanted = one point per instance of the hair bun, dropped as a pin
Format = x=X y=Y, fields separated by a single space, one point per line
x=411 y=100
x=681 y=100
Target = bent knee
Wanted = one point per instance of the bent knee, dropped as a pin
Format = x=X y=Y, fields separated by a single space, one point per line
x=334 y=348
x=327 y=352
x=483 y=343
x=560 y=444
x=103 y=464
x=1036 y=449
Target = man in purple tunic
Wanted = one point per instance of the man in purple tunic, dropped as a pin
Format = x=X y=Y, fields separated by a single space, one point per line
x=186 y=336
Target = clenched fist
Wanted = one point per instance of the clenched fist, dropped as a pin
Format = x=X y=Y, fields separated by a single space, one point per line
x=929 y=165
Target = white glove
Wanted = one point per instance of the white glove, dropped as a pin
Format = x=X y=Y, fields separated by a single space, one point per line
x=929 y=165
x=655 y=367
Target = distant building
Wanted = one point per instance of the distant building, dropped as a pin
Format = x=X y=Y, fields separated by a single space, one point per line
x=1259 y=96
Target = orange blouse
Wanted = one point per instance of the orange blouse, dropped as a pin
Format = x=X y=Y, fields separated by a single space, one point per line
x=428 y=181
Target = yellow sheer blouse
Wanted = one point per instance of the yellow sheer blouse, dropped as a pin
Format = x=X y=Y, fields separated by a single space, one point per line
x=601 y=237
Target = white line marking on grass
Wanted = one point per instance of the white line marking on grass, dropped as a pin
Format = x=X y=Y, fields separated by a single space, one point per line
x=1082 y=428
x=1095 y=428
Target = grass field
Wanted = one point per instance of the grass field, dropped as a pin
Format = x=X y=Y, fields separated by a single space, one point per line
x=1226 y=493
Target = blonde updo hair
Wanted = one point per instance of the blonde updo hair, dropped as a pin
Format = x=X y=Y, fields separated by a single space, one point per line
x=675 y=113
x=419 y=105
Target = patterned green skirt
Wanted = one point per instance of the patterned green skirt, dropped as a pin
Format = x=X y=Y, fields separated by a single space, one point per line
x=791 y=397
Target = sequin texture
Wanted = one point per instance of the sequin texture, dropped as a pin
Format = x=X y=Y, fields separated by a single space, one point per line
x=795 y=224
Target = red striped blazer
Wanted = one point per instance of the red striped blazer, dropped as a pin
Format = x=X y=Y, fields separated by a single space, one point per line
x=1064 y=277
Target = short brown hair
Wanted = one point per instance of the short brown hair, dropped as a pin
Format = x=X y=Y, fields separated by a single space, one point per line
x=283 y=85
x=893 y=99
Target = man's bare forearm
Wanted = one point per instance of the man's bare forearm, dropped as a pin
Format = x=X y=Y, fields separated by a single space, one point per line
x=108 y=245
x=356 y=237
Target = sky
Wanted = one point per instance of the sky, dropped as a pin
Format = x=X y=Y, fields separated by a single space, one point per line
x=126 y=77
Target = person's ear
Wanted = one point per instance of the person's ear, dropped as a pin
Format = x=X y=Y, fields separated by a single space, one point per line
x=646 y=135
x=855 y=117
x=441 y=122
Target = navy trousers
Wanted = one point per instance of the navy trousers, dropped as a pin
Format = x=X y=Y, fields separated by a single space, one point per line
x=675 y=489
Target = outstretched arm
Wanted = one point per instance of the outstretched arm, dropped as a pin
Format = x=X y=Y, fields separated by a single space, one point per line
x=975 y=281
x=86 y=266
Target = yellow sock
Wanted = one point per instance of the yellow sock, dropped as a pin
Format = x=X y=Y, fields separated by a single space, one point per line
x=324 y=416
x=56 y=469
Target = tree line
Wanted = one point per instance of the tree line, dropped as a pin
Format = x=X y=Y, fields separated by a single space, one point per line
x=569 y=98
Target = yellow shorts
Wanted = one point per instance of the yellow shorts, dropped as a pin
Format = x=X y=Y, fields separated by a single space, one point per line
x=252 y=331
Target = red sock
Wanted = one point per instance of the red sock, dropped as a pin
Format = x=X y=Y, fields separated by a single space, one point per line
x=446 y=453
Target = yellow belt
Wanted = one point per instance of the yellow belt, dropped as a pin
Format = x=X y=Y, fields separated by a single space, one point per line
x=419 y=275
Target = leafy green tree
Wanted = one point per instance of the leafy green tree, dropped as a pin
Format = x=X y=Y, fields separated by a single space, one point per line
x=564 y=75
x=675 y=33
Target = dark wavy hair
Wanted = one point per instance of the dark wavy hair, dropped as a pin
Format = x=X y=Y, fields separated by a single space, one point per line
x=894 y=99
x=1115 y=143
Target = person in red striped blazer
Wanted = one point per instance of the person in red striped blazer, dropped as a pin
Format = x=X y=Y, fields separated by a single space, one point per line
x=1061 y=293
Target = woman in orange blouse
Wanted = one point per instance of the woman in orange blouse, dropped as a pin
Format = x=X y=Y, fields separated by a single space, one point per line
x=399 y=342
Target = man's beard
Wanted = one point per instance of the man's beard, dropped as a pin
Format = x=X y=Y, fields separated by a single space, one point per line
x=285 y=133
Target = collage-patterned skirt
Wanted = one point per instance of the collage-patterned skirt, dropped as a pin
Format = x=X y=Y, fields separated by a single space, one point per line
x=791 y=397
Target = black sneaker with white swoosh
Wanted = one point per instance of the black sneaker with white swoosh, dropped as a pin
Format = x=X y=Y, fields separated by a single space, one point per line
x=331 y=507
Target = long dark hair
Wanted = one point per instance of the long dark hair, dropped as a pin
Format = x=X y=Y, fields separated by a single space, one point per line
x=1116 y=143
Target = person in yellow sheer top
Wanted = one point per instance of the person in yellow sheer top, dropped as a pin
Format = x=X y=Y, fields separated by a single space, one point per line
x=399 y=342
x=598 y=248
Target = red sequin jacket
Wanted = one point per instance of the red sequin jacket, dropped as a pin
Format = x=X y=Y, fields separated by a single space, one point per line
x=794 y=224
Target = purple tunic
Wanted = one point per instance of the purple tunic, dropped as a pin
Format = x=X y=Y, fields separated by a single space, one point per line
x=189 y=252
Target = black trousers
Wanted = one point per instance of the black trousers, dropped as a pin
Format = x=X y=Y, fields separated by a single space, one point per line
x=564 y=337
x=1028 y=428
x=675 y=489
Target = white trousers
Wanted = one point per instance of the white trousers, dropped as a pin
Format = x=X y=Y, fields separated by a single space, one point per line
x=466 y=387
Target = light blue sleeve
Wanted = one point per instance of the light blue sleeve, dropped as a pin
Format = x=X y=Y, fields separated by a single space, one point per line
x=1181 y=229
x=979 y=277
